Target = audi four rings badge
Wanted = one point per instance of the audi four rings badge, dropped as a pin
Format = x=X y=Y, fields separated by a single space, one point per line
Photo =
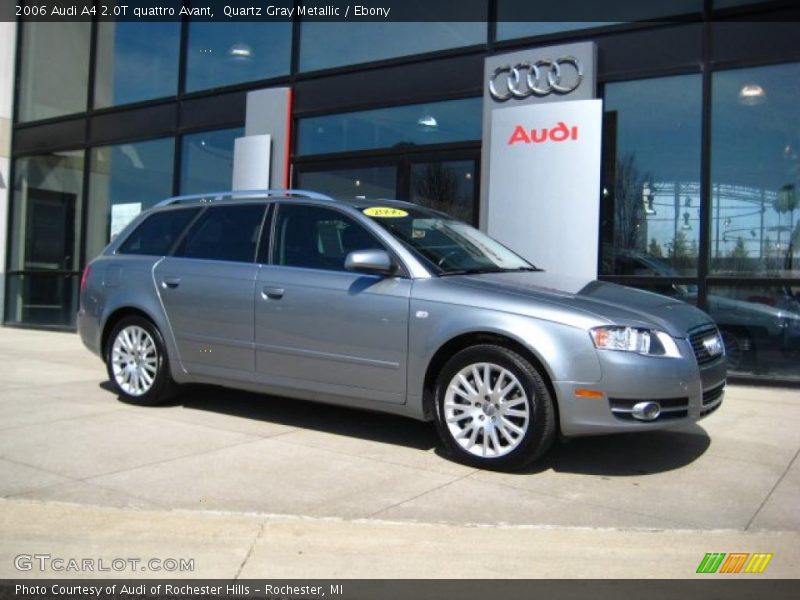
x=538 y=78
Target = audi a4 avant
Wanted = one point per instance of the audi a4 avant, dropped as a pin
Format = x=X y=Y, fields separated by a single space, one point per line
x=389 y=306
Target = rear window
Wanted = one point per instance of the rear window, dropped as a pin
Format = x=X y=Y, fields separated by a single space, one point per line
x=156 y=235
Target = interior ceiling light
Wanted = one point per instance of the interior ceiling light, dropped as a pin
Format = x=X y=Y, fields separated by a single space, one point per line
x=752 y=94
x=428 y=122
x=240 y=52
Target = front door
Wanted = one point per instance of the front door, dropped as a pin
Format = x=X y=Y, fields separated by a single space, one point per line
x=322 y=328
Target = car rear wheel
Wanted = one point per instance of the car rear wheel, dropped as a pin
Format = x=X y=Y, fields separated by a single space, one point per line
x=137 y=363
x=493 y=409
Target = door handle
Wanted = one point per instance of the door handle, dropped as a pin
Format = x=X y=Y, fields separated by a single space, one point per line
x=272 y=293
x=170 y=282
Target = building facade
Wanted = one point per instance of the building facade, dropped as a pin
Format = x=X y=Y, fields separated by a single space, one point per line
x=701 y=141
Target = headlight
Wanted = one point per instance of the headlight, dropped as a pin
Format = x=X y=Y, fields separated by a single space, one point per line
x=650 y=342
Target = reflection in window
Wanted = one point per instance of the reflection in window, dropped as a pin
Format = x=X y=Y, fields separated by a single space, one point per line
x=45 y=238
x=731 y=3
x=124 y=181
x=221 y=54
x=136 y=61
x=523 y=18
x=227 y=233
x=317 y=238
x=54 y=75
x=508 y=30
x=324 y=45
x=207 y=161
x=158 y=232
x=760 y=327
x=651 y=183
x=448 y=187
x=416 y=124
x=366 y=182
x=755 y=171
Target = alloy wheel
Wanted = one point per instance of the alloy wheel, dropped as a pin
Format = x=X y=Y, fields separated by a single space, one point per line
x=486 y=410
x=134 y=360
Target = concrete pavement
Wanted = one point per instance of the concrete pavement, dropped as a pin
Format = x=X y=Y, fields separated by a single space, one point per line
x=250 y=483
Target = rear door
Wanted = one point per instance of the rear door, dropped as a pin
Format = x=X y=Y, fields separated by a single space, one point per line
x=207 y=289
x=320 y=327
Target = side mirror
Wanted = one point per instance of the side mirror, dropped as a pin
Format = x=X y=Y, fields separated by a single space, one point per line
x=374 y=262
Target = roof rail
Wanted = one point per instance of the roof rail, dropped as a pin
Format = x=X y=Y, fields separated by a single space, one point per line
x=232 y=194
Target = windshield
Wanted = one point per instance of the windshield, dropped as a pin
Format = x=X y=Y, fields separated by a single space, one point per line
x=447 y=246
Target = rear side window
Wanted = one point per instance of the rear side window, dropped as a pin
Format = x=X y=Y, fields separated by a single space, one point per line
x=158 y=232
x=224 y=233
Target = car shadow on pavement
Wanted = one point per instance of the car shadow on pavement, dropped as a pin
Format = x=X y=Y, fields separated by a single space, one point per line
x=351 y=422
x=625 y=455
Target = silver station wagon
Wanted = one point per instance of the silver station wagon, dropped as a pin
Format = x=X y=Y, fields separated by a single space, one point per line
x=390 y=306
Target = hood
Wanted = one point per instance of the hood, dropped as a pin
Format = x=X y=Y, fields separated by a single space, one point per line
x=608 y=302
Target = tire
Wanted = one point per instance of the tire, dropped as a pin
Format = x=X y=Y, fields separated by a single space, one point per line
x=503 y=427
x=140 y=376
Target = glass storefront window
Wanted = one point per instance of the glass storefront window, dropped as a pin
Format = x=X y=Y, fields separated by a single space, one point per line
x=136 y=62
x=54 y=75
x=760 y=327
x=221 y=54
x=325 y=45
x=447 y=186
x=651 y=179
x=508 y=30
x=45 y=239
x=367 y=182
x=207 y=161
x=125 y=180
x=416 y=124
x=523 y=18
x=755 y=172
x=732 y=3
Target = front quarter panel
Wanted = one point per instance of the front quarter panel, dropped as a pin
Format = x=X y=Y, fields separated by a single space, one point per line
x=565 y=351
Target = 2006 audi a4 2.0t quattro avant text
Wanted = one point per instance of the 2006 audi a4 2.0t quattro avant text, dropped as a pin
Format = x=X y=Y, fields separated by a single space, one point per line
x=390 y=306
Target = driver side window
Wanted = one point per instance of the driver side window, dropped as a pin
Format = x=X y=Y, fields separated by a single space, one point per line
x=314 y=237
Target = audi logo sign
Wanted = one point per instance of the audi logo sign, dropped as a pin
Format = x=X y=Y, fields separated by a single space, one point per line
x=539 y=78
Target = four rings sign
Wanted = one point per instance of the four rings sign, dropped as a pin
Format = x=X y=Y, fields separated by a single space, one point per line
x=539 y=78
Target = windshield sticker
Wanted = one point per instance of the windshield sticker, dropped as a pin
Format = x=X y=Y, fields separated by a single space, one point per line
x=384 y=212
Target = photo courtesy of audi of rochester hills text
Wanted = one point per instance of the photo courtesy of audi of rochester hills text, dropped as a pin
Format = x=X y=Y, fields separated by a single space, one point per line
x=399 y=299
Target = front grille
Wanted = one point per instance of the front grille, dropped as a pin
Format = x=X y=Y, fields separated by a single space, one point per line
x=671 y=408
x=712 y=400
x=696 y=340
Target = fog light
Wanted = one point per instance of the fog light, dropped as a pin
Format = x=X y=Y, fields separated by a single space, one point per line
x=646 y=411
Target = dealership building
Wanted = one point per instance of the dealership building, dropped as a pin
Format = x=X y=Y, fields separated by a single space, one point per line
x=687 y=186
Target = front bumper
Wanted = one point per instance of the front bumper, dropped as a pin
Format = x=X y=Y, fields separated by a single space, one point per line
x=686 y=392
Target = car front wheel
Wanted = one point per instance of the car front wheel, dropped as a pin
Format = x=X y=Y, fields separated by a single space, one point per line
x=137 y=363
x=493 y=409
